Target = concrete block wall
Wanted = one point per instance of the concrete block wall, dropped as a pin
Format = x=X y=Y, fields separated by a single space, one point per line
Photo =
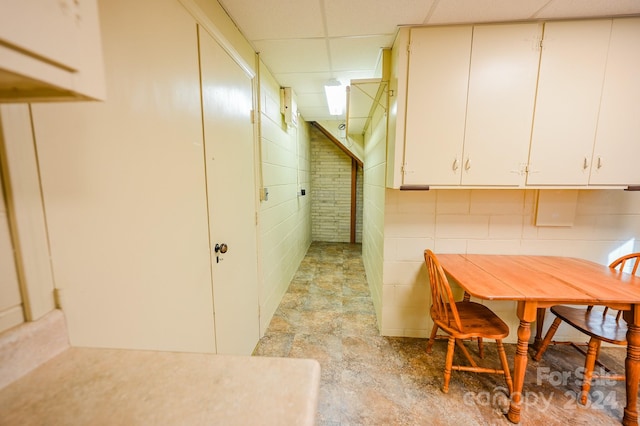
x=373 y=208
x=606 y=225
x=285 y=220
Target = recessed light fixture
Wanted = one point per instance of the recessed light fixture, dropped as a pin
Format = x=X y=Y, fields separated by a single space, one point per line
x=336 y=96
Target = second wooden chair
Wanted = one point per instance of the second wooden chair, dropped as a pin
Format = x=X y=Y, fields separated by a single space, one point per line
x=600 y=326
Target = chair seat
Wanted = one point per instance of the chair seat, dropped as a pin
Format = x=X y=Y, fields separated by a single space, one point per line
x=477 y=321
x=594 y=324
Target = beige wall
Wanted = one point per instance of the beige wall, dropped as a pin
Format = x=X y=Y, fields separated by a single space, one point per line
x=124 y=187
x=285 y=219
x=11 y=312
x=373 y=207
x=607 y=224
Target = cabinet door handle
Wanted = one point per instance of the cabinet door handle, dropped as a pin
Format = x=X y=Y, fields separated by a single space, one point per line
x=454 y=166
x=585 y=164
x=467 y=164
x=599 y=166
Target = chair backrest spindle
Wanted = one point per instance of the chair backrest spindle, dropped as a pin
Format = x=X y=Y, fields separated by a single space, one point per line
x=619 y=264
x=443 y=305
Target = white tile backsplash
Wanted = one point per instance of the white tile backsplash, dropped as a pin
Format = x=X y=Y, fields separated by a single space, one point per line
x=416 y=225
x=453 y=201
x=462 y=226
x=506 y=227
x=497 y=202
x=490 y=221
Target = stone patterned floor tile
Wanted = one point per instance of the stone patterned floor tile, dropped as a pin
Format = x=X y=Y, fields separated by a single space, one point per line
x=368 y=379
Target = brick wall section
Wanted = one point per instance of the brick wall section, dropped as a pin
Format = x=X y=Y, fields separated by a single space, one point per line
x=331 y=191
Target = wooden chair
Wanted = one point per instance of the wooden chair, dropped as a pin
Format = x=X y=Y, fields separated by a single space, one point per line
x=435 y=335
x=463 y=320
x=600 y=326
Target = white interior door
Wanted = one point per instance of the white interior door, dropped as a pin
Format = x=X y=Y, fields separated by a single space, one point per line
x=227 y=102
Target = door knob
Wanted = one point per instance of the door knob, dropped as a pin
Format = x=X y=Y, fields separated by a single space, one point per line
x=220 y=249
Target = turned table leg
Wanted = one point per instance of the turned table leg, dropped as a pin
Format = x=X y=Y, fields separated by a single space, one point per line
x=632 y=366
x=526 y=314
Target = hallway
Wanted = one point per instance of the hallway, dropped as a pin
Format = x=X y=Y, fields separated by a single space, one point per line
x=368 y=379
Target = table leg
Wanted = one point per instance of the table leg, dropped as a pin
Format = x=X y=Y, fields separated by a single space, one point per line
x=526 y=314
x=632 y=366
x=540 y=314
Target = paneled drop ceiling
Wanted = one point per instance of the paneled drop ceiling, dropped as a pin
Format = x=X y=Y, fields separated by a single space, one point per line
x=306 y=42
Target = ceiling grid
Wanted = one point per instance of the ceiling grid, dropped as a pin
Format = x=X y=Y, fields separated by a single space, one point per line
x=304 y=43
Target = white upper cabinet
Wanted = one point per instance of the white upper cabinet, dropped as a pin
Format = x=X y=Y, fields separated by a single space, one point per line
x=50 y=51
x=438 y=78
x=502 y=90
x=517 y=105
x=572 y=68
x=470 y=100
x=616 y=153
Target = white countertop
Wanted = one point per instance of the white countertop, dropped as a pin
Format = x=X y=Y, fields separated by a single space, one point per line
x=118 y=387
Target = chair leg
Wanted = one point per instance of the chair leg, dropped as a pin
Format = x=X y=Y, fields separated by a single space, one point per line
x=505 y=365
x=448 y=364
x=589 y=365
x=547 y=339
x=432 y=339
x=480 y=348
x=466 y=353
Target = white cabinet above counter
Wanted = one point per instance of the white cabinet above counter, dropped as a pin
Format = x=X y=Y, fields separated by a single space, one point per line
x=517 y=105
x=50 y=51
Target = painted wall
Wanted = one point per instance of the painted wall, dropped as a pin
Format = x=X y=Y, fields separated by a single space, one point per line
x=124 y=187
x=11 y=312
x=285 y=218
x=374 y=207
x=125 y=192
x=607 y=225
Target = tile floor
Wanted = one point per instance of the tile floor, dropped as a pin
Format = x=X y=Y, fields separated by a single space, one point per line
x=368 y=379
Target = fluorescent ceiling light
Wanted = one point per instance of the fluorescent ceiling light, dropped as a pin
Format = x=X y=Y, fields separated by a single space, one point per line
x=336 y=96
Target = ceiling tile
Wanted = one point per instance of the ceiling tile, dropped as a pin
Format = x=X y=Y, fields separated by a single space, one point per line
x=294 y=55
x=313 y=99
x=588 y=8
x=358 y=53
x=304 y=82
x=370 y=17
x=275 y=19
x=290 y=34
x=316 y=113
x=466 y=11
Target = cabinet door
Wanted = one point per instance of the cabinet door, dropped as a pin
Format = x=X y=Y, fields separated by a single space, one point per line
x=50 y=50
x=569 y=88
x=617 y=149
x=436 y=105
x=502 y=89
x=43 y=28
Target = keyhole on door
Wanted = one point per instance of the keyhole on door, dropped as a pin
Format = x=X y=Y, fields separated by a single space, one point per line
x=220 y=249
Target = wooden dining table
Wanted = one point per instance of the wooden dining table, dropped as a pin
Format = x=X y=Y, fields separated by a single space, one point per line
x=538 y=282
